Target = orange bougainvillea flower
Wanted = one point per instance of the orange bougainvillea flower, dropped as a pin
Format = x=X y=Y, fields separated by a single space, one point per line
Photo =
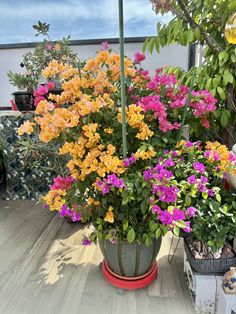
x=26 y=127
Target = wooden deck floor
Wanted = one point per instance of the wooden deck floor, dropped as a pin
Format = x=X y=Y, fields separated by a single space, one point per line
x=45 y=270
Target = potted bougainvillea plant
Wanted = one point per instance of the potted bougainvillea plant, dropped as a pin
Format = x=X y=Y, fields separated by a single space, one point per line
x=33 y=64
x=129 y=212
x=196 y=171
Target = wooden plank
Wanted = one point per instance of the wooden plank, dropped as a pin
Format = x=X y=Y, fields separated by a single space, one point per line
x=44 y=269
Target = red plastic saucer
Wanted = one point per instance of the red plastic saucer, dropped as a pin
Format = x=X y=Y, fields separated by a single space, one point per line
x=126 y=282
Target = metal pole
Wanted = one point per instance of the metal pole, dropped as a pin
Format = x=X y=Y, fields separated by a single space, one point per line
x=122 y=78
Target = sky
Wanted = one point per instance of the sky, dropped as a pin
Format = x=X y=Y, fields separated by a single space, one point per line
x=81 y=19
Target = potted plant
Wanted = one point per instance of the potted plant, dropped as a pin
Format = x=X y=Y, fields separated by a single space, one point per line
x=197 y=174
x=102 y=187
x=34 y=62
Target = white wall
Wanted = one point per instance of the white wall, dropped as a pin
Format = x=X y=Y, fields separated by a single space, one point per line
x=10 y=59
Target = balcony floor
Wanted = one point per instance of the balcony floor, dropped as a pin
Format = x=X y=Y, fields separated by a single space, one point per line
x=45 y=270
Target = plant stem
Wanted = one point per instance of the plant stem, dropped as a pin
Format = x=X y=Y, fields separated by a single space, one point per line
x=187 y=103
x=210 y=41
x=122 y=78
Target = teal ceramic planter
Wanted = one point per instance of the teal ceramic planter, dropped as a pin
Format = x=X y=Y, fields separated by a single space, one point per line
x=129 y=260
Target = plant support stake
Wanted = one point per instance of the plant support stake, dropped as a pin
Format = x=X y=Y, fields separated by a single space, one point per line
x=187 y=103
x=122 y=78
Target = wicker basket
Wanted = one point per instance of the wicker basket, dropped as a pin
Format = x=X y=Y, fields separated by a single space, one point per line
x=213 y=266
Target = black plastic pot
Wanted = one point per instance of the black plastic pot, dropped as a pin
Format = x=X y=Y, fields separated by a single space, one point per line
x=210 y=266
x=24 y=101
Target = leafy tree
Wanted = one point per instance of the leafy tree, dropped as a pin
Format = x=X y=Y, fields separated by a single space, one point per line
x=202 y=22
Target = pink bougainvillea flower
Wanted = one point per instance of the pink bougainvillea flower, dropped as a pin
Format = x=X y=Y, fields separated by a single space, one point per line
x=129 y=161
x=148 y=175
x=178 y=214
x=50 y=85
x=41 y=91
x=192 y=179
x=76 y=216
x=207 y=153
x=105 y=46
x=191 y=212
x=60 y=183
x=48 y=46
x=86 y=241
x=203 y=179
x=201 y=187
x=165 y=217
x=151 y=200
x=138 y=57
x=169 y=163
x=187 y=228
x=105 y=189
x=211 y=193
x=37 y=100
x=65 y=211
x=198 y=166
x=156 y=209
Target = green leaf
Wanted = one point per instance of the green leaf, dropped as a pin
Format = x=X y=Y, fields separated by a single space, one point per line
x=151 y=44
x=125 y=225
x=223 y=55
x=224 y=209
x=224 y=118
x=145 y=44
x=153 y=226
x=205 y=195
x=131 y=235
x=180 y=224
x=143 y=207
x=197 y=33
x=188 y=200
x=232 y=5
x=158 y=233
x=218 y=198
x=210 y=243
x=176 y=231
x=99 y=235
x=148 y=241
x=221 y=92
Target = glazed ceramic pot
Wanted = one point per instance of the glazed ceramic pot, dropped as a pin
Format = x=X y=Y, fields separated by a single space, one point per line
x=24 y=101
x=129 y=260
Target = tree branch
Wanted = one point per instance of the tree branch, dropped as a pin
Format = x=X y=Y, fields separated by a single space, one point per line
x=209 y=40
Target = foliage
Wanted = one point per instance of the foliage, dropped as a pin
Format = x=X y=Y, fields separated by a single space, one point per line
x=34 y=62
x=202 y=23
x=197 y=174
x=38 y=159
x=85 y=120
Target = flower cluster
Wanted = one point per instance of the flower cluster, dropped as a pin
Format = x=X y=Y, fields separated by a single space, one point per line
x=85 y=122
x=218 y=152
x=202 y=102
x=197 y=172
x=41 y=92
x=111 y=180
x=27 y=127
x=73 y=214
x=60 y=183
x=36 y=60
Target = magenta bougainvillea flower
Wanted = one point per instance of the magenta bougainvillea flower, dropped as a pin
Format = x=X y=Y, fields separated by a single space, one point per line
x=60 y=183
x=198 y=166
x=138 y=57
